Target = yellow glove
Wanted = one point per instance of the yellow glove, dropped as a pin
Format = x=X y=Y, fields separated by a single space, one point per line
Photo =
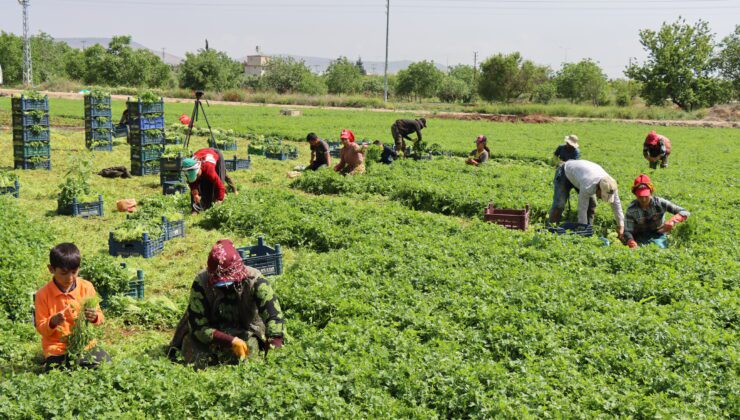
x=239 y=347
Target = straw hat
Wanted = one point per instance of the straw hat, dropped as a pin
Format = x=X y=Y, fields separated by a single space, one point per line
x=608 y=187
x=572 y=140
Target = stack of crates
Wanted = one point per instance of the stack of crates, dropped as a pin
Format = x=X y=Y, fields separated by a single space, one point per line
x=98 y=124
x=31 y=136
x=171 y=176
x=146 y=133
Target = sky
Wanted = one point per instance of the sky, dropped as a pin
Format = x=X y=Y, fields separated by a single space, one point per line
x=447 y=31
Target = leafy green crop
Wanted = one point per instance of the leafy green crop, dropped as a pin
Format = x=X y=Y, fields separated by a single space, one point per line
x=7 y=179
x=148 y=97
x=106 y=274
x=76 y=183
x=83 y=332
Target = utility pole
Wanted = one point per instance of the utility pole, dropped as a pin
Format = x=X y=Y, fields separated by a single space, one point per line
x=475 y=65
x=84 y=44
x=27 y=70
x=163 y=48
x=387 y=31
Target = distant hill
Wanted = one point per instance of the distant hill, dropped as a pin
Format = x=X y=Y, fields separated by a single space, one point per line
x=320 y=64
x=81 y=43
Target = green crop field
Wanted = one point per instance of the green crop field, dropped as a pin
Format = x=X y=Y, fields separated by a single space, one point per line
x=399 y=300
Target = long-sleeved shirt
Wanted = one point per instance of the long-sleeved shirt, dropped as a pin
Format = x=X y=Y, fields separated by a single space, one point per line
x=406 y=127
x=566 y=153
x=208 y=160
x=49 y=301
x=661 y=149
x=210 y=324
x=388 y=155
x=640 y=220
x=480 y=157
x=351 y=157
x=585 y=176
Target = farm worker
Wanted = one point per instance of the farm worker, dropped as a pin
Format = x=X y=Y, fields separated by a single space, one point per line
x=481 y=152
x=643 y=222
x=387 y=155
x=591 y=181
x=319 y=152
x=656 y=148
x=206 y=174
x=57 y=305
x=232 y=313
x=568 y=151
x=401 y=130
x=351 y=156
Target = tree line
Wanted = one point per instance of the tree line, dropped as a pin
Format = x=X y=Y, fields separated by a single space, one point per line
x=686 y=66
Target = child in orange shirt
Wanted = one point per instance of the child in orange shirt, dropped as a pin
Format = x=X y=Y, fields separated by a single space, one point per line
x=57 y=305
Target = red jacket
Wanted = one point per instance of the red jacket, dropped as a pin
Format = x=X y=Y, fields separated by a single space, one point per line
x=208 y=160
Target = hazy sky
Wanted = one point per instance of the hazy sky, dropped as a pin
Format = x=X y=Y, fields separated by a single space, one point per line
x=447 y=31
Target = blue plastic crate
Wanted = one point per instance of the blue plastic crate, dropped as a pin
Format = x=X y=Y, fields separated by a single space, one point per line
x=136 y=288
x=25 y=104
x=107 y=147
x=14 y=190
x=174 y=229
x=92 y=102
x=255 y=151
x=82 y=209
x=227 y=147
x=141 y=169
x=268 y=260
x=26 y=164
x=28 y=150
x=237 y=164
x=171 y=176
x=282 y=155
x=120 y=131
x=145 y=247
x=139 y=108
x=144 y=138
x=170 y=164
x=579 y=229
x=146 y=123
x=28 y=135
x=173 y=140
x=25 y=120
x=140 y=154
x=95 y=112
x=93 y=124
x=173 y=187
x=98 y=135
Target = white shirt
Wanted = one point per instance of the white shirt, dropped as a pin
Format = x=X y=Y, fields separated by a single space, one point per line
x=585 y=176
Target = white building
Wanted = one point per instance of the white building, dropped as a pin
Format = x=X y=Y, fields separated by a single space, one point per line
x=256 y=65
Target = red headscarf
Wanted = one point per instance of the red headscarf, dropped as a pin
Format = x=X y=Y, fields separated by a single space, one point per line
x=348 y=134
x=225 y=265
x=652 y=139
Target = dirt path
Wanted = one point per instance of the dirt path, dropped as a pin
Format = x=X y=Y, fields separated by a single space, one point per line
x=534 y=118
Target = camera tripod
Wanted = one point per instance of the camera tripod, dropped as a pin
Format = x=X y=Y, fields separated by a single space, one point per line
x=197 y=109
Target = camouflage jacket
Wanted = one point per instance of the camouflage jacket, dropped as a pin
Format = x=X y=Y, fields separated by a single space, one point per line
x=216 y=315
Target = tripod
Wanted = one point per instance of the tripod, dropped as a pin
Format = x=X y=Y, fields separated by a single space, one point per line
x=197 y=108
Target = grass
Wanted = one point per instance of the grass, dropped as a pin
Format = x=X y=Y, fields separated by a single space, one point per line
x=419 y=314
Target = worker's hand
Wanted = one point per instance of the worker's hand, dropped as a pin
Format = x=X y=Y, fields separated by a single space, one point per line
x=275 y=342
x=632 y=244
x=91 y=314
x=66 y=314
x=239 y=347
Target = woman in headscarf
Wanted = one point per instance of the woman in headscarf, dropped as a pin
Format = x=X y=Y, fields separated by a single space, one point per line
x=481 y=153
x=232 y=314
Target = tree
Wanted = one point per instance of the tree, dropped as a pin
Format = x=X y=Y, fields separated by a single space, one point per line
x=728 y=61
x=506 y=77
x=284 y=74
x=544 y=92
x=453 y=90
x=373 y=85
x=420 y=80
x=210 y=70
x=678 y=67
x=465 y=73
x=361 y=66
x=342 y=76
x=11 y=58
x=581 y=81
x=312 y=84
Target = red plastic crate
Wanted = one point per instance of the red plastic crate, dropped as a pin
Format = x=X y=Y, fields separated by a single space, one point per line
x=509 y=218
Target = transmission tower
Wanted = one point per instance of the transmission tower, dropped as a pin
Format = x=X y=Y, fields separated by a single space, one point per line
x=27 y=70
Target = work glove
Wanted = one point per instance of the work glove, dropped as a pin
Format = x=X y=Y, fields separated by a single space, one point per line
x=671 y=223
x=632 y=244
x=239 y=347
x=275 y=342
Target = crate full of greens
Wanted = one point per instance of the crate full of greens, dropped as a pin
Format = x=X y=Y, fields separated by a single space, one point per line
x=37 y=162
x=75 y=197
x=9 y=184
x=146 y=153
x=22 y=119
x=281 y=151
x=150 y=167
x=145 y=103
x=30 y=101
x=237 y=164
